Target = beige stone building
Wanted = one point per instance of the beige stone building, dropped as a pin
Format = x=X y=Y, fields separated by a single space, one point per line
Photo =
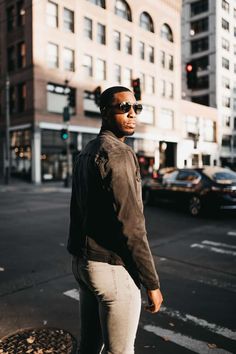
x=55 y=49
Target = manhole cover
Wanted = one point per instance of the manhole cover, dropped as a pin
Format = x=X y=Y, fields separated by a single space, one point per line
x=39 y=341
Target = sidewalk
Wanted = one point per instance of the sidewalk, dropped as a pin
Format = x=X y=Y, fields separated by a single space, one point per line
x=25 y=186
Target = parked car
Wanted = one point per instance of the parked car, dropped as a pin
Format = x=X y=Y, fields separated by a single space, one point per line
x=197 y=189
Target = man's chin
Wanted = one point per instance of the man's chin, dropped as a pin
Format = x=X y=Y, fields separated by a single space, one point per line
x=129 y=132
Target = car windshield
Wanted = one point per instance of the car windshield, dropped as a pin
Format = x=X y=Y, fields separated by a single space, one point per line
x=224 y=177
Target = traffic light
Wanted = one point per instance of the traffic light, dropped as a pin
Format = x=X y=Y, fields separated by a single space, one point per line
x=64 y=134
x=191 y=73
x=136 y=89
x=71 y=98
x=97 y=94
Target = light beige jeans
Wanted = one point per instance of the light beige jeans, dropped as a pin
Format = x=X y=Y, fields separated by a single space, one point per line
x=110 y=304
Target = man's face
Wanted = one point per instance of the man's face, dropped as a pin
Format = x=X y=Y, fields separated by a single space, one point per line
x=122 y=124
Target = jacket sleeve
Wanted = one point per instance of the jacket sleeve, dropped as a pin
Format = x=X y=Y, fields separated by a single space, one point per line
x=127 y=196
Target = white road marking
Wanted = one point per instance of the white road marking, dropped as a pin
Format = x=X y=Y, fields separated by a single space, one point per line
x=226 y=245
x=213 y=249
x=225 y=332
x=231 y=233
x=73 y=293
x=196 y=346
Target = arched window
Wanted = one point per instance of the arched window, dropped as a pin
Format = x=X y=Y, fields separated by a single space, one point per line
x=146 y=22
x=100 y=3
x=122 y=9
x=166 y=32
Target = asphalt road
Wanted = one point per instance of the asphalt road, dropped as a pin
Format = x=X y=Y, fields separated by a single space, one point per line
x=195 y=259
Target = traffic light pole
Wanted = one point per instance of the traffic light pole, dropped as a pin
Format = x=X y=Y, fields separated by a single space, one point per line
x=7 y=144
x=67 y=180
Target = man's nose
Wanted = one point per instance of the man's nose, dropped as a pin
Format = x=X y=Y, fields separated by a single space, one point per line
x=131 y=112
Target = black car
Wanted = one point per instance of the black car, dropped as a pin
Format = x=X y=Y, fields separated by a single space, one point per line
x=198 y=189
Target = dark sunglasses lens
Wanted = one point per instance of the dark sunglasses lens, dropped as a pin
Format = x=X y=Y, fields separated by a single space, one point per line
x=125 y=107
x=138 y=108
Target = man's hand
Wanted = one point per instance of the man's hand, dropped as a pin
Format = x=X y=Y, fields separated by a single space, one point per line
x=154 y=300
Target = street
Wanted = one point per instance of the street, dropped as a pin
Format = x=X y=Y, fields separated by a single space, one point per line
x=195 y=258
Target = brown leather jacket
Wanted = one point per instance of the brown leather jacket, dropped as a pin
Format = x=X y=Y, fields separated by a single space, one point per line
x=106 y=213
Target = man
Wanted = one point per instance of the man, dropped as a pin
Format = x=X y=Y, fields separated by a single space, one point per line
x=107 y=232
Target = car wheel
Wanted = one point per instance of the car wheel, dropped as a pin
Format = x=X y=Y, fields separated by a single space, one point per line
x=147 y=197
x=195 y=205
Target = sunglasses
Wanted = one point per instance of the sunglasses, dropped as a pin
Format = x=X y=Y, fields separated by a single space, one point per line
x=125 y=107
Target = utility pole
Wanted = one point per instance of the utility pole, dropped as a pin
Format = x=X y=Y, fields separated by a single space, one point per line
x=7 y=131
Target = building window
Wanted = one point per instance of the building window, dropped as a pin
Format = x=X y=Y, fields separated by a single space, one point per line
x=201 y=63
x=142 y=81
x=100 y=3
x=20 y=13
x=234 y=123
x=166 y=120
x=88 y=65
x=199 y=26
x=199 y=45
x=52 y=14
x=202 y=82
x=147 y=115
x=225 y=24
x=203 y=99
x=225 y=5
x=150 y=85
x=226 y=121
x=101 y=33
x=141 y=50
x=208 y=130
x=21 y=55
x=128 y=44
x=163 y=88
x=170 y=90
x=235 y=68
x=127 y=77
x=10 y=18
x=234 y=13
x=166 y=33
x=146 y=22
x=57 y=97
x=150 y=54
x=117 y=40
x=163 y=57
x=21 y=88
x=88 y=28
x=225 y=44
x=191 y=124
x=122 y=9
x=69 y=59
x=52 y=55
x=226 y=141
x=170 y=62
x=225 y=63
x=117 y=73
x=12 y=99
x=225 y=82
x=234 y=31
x=100 y=69
x=226 y=101
x=68 y=20
x=11 y=58
x=198 y=7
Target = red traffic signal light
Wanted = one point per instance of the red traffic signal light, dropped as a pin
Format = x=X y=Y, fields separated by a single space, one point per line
x=191 y=75
x=136 y=89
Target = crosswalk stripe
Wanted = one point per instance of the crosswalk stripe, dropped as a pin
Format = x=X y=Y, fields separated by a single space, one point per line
x=231 y=233
x=194 y=345
x=213 y=249
x=225 y=332
x=212 y=243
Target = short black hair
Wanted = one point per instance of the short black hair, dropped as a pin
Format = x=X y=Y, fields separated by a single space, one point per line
x=107 y=95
